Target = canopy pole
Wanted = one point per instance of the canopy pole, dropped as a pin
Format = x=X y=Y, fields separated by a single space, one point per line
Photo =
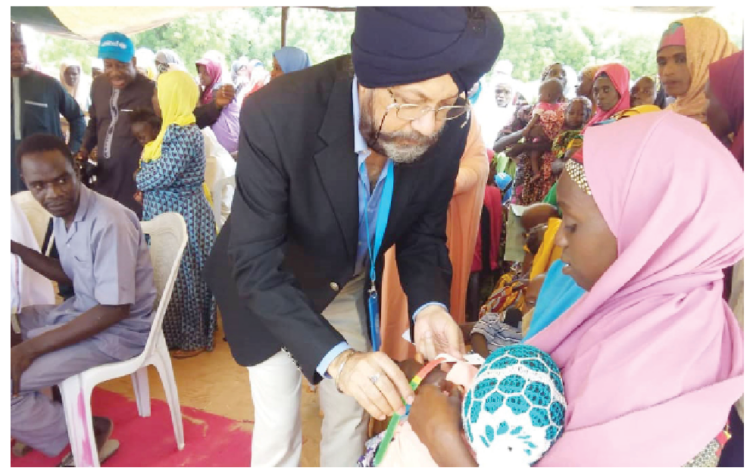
x=284 y=18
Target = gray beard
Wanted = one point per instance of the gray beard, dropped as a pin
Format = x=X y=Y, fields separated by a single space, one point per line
x=391 y=144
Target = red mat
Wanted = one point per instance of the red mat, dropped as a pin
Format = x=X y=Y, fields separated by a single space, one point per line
x=210 y=440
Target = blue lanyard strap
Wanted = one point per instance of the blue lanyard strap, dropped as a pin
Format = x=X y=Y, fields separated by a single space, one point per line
x=373 y=249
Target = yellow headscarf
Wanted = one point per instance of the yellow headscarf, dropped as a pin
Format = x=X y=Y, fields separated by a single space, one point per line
x=706 y=42
x=178 y=94
x=548 y=250
x=635 y=111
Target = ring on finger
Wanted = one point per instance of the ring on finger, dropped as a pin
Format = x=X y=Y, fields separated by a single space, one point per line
x=374 y=378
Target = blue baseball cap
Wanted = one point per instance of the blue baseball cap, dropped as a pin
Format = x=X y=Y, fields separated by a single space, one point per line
x=116 y=46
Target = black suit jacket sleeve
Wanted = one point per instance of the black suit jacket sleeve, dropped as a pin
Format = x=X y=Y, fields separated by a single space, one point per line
x=422 y=254
x=257 y=247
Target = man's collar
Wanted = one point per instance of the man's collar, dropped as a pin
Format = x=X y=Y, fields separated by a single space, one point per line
x=84 y=202
x=360 y=145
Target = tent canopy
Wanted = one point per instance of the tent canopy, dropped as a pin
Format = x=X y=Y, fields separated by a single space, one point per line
x=91 y=23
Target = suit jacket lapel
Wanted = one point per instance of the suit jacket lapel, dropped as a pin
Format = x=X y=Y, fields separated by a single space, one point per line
x=337 y=162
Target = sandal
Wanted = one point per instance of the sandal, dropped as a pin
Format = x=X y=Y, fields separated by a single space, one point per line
x=109 y=449
x=182 y=354
x=20 y=449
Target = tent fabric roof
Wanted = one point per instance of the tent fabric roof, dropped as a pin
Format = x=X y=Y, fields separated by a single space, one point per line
x=90 y=23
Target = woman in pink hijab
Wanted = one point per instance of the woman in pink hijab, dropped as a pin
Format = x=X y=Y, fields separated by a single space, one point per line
x=651 y=356
x=611 y=92
x=210 y=78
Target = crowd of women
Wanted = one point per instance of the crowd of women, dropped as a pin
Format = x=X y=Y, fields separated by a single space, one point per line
x=619 y=242
x=624 y=227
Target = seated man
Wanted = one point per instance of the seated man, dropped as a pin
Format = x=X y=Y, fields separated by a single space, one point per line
x=104 y=255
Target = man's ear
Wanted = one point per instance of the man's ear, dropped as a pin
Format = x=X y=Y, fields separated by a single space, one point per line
x=134 y=60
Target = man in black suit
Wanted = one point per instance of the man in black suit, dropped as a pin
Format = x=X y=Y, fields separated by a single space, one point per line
x=336 y=164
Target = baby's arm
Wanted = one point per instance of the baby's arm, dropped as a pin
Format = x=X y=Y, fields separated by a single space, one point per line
x=530 y=126
x=479 y=344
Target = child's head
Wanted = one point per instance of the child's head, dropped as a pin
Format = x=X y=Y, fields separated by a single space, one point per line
x=145 y=125
x=538 y=213
x=643 y=92
x=514 y=409
x=535 y=237
x=578 y=113
x=532 y=292
x=550 y=91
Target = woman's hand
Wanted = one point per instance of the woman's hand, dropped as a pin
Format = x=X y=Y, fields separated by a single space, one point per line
x=516 y=150
x=436 y=419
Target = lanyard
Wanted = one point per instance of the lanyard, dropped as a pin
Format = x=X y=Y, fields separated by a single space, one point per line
x=373 y=247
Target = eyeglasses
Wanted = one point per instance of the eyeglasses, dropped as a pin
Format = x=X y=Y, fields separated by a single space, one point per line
x=410 y=112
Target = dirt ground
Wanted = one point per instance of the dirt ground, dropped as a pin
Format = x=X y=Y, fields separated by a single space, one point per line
x=214 y=383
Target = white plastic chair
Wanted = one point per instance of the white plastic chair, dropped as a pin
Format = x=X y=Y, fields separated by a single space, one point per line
x=168 y=239
x=38 y=216
x=218 y=197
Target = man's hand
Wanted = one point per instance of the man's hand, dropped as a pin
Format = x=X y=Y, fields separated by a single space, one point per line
x=224 y=95
x=436 y=332
x=15 y=248
x=82 y=156
x=21 y=357
x=375 y=381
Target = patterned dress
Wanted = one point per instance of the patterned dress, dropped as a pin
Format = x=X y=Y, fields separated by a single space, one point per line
x=173 y=183
x=534 y=192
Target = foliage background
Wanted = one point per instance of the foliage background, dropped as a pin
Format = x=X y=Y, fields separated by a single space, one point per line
x=577 y=37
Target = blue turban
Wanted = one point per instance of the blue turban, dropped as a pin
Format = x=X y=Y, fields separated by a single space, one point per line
x=400 y=45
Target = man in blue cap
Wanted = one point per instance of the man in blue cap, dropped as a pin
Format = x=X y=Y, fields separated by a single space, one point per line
x=337 y=163
x=115 y=94
x=36 y=103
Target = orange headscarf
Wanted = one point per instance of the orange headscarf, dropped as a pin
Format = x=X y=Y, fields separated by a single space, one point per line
x=706 y=42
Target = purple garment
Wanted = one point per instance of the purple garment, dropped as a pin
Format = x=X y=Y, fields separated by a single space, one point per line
x=105 y=254
x=227 y=127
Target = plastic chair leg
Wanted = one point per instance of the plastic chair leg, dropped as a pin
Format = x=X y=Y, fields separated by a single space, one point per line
x=163 y=364
x=78 y=418
x=142 y=392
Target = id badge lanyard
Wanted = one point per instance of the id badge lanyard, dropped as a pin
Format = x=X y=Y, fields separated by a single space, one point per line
x=381 y=222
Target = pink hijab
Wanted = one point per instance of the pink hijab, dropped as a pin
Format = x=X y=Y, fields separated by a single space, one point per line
x=214 y=71
x=652 y=357
x=620 y=77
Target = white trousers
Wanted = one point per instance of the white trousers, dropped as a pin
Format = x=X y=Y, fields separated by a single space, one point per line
x=275 y=386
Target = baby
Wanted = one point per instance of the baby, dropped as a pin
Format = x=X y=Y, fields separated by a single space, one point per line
x=545 y=121
x=513 y=410
x=493 y=331
x=145 y=126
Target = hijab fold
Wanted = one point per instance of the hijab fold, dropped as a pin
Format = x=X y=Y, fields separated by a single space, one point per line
x=178 y=95
x=727 y=82
x=167 y=58
x=292 y=59
x=706 y=42
x=81 y=93
x=619 y=75
x=652 y=356
x=214 y=72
